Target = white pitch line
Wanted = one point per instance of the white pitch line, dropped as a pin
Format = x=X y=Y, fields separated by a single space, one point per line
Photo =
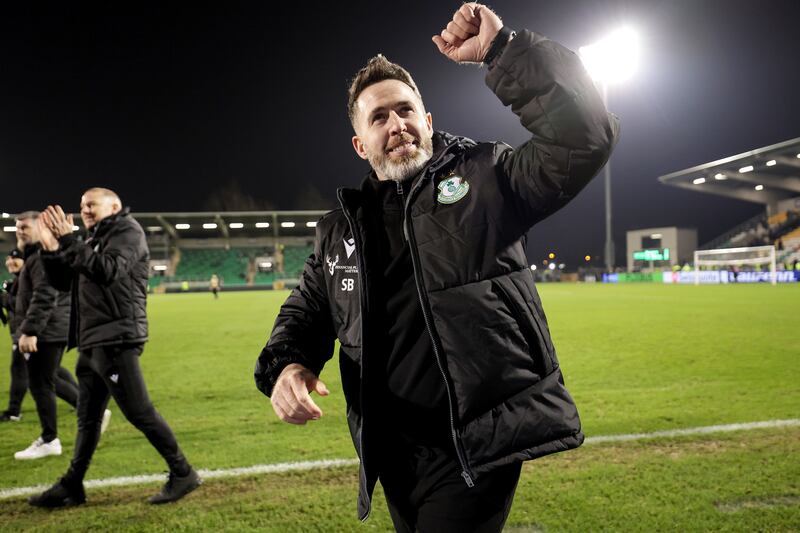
x=333 y=463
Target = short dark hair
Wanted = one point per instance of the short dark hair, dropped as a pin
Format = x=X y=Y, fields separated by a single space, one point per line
x=376 y=70
x=28 y=214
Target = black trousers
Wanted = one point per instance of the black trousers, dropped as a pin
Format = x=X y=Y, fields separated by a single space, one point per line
x=66 y=386
x=114 y=371
x=425 y=492
x=43 y=368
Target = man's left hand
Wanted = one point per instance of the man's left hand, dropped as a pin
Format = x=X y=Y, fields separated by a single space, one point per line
x=468 y=37
x=57 y=221
x=27 y=344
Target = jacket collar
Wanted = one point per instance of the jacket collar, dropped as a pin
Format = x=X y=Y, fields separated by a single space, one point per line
x=104 y=225
x=445 y=147
x=30 y=249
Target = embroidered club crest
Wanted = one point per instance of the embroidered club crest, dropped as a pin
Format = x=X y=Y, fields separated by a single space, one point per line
x=452 y=189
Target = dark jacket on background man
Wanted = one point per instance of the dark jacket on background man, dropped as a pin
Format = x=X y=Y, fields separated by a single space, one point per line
x=40 y=309
x=108 y=274
x=504 y=389
x=8 y=300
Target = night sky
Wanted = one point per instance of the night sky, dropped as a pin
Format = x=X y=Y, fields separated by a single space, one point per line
x=175 y=108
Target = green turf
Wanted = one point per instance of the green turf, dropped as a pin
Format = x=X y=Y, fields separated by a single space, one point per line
x=637 y=358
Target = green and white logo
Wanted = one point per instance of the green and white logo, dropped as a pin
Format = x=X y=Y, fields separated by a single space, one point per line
x=452 y=189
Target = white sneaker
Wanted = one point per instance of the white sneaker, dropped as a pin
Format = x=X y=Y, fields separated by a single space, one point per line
x=106 y=421
x=39 y=449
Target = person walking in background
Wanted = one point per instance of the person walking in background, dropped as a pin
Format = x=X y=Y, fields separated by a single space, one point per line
x=108 y=276
x=39 y=331
x=66 y=386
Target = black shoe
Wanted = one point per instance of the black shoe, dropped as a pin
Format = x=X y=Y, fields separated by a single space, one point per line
x=7 y=416
x=60 y=495
x=177 y=487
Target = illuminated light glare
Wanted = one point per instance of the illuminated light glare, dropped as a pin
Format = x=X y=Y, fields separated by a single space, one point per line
x=311 y=224
x=265 y=264
x=748 y=168
x=771 y=163
x=798 y=156
x=656 y=236
x=587 y=258
x=9 y=228
x=551 y=255
x=533 y=267
x=262 y=224
x=562 y=266
x=720 y=177
x=6 y=215
x=160 y=268
x=154 y=228
x=209 y=225
x=287 y=224
x=759 y=187
x=614 y=58
x=236 y=225
x=552 y=266
x=698 y=181
x=182 y=226
x=75 y=228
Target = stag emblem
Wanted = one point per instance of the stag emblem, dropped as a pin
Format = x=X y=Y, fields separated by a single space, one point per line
x=331 y=264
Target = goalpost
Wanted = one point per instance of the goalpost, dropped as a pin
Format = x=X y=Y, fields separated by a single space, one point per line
x=749 y=255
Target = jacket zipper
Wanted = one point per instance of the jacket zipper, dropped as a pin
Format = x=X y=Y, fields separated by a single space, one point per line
x=408 y=233
x=363 y=295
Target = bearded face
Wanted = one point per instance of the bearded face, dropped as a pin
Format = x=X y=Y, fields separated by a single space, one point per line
x=403 y=158
x=393 y=131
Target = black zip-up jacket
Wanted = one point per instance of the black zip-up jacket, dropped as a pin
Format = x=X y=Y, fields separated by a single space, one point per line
x=108 y=276
x=504 y=388
x=8 y=296
x=40 y=309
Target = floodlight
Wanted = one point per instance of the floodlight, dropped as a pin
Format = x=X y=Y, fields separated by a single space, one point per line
x=182 y=226
x=698 y=181
x=262 y=224
x=236 y=225
x=552 y=266
x=160 y=268
x=656 y=236
x=6 y=215
x=75 y=228
x=311 y=224
x=209 y=225
x=748 y=168
x=9 y=228
x=771 y=163
x=533 y=267
x=265 y=264
x=287 y=224
x=720 y=176
x=612 y=59
x=759 y=187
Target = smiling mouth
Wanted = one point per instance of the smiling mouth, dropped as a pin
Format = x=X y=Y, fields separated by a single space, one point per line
x=402 y=149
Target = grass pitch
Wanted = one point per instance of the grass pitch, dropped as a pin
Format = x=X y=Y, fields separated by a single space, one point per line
x=637 y=358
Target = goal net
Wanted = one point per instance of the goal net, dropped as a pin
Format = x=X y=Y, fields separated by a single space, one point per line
x=757 y=257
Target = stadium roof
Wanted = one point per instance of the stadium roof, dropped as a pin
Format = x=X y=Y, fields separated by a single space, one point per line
x=214 y=224
x=765 y=175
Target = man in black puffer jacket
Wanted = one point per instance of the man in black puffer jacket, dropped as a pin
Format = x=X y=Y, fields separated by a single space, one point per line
x=39 y=332
x=447 y=363
x=108 y=275
x=66 y=387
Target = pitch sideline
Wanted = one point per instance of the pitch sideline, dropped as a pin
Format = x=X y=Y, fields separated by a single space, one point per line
x=333 y=463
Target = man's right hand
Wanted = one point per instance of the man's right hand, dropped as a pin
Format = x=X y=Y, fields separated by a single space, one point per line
x=291 y=400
